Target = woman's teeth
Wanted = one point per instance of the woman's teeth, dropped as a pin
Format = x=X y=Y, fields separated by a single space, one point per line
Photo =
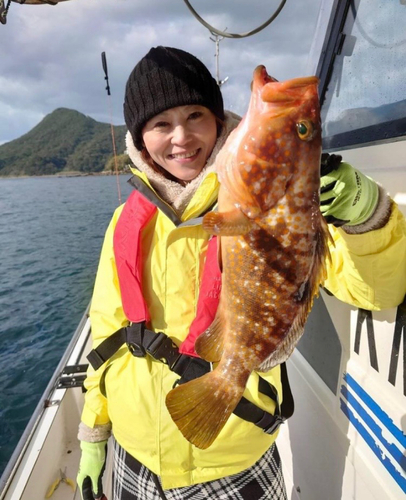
x=184 y=155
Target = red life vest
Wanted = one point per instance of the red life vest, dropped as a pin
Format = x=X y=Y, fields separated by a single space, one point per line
x=136 y=214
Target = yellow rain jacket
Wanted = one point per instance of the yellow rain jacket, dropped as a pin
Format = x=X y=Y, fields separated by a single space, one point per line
x=366 y=271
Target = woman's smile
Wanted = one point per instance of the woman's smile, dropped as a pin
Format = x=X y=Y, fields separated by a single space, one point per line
x=185 y=156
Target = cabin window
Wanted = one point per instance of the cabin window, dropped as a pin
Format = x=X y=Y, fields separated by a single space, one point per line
x=362 y=73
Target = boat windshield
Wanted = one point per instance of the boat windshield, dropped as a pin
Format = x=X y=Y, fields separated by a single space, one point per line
x=367 y=87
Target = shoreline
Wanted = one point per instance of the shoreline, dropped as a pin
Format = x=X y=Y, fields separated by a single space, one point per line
x=64 y=175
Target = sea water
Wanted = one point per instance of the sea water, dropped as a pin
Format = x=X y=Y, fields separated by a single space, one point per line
x=51 y=232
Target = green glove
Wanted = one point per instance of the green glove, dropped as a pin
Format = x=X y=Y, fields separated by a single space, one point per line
x=91 y=468
x=346 y=195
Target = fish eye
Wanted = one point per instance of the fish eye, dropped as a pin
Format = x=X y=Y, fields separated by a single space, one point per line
x=305 y=130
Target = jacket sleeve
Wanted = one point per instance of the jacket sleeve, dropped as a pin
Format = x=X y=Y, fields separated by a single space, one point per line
x=368 y=270
x=106 y=317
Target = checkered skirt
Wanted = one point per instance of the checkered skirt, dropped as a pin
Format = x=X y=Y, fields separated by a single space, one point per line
x=262 y=481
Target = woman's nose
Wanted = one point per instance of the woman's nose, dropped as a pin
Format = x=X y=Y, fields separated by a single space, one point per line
x=180 y=135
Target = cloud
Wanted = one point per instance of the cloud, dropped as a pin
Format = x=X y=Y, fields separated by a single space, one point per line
x=51 y=54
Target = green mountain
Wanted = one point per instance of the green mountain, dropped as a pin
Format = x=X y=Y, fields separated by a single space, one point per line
x=64 y=141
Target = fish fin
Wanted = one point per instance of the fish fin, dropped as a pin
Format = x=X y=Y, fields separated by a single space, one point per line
x=219 y=255
x=210 y=344
x=322 y=253
x=200 y=408
x=284 y=348
x=318 y=272
x=233 y=223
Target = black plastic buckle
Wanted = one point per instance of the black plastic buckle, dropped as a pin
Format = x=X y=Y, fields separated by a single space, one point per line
x=163 y=349
x=137 y=350
x=134 y=335
x=274 y=426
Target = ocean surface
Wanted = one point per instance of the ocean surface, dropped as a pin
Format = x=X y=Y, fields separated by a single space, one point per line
x=51 y=232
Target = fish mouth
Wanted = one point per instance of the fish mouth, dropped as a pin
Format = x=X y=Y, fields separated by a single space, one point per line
x=286 y=92
x=261 y=77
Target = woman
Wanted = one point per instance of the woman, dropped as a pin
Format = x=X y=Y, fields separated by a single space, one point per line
x=153 y=265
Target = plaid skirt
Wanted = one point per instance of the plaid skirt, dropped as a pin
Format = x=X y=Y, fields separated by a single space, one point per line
x=262 y=481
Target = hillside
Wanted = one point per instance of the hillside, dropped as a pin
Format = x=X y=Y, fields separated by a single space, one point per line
x=64 y=141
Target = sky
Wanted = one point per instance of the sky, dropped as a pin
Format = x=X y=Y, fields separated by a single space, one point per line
x=51 y=55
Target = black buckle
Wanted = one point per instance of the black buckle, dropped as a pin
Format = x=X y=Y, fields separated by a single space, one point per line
x=163 y=349
x=137 y=350
x=134 y=335
x=274 y=426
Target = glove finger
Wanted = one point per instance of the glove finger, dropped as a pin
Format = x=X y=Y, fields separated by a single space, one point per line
x=327 y=198
x=328 y=187
x=100 y=486
x=87 y=493
x=330 y=219
x=329 y=163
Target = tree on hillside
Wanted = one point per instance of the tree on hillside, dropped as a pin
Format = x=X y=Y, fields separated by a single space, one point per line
x=123 y=163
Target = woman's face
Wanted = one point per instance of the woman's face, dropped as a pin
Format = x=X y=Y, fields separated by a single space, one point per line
x=181 y=139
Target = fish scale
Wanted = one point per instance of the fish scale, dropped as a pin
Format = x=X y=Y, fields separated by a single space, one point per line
x=273 y=246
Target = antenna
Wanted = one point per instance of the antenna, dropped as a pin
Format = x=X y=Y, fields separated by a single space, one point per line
x=217 y=39
x=106 y=77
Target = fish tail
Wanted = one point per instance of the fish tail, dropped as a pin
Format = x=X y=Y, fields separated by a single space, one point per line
x=200 y=408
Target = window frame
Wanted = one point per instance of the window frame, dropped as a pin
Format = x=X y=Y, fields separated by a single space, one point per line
x=390 y=131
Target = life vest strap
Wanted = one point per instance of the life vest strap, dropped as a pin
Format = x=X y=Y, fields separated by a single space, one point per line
x=142 y=342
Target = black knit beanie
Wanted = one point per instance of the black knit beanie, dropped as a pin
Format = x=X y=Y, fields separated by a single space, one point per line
x=163 y=79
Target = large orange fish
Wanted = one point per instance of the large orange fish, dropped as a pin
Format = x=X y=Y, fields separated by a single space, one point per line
x=273 y=250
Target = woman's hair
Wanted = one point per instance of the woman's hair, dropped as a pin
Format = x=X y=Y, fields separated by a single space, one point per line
x=166 y=78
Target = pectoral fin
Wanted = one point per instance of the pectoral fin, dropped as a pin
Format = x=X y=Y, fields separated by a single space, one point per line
x=210 y=344
x=233 y=223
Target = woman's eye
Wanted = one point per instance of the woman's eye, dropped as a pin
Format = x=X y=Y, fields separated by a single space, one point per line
x=161 y=124
x=195 y=115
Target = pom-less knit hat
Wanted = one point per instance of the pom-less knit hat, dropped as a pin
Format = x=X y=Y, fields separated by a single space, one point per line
x=163 y=79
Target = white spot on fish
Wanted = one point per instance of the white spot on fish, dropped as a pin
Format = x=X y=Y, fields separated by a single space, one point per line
x=257 y=187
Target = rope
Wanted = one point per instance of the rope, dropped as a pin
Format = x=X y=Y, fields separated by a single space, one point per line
x=235 y=35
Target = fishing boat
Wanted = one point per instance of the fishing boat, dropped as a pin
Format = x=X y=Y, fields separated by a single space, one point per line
x=346 y=439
